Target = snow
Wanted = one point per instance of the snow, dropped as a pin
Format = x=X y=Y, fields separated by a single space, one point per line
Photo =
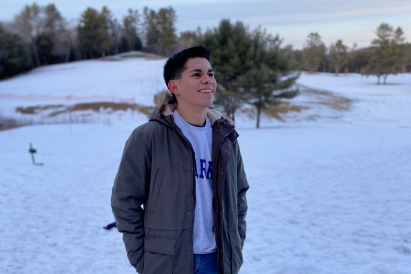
x=330 y=195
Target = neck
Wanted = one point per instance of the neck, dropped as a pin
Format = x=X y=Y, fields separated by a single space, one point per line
x=196 y=118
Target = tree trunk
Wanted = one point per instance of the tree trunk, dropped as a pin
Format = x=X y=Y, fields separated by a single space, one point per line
x=337 y=69
x=378 y=77
x=346 y=70
x=385 y=78
x=258 y=116
x=35 y=55
x=68 y=53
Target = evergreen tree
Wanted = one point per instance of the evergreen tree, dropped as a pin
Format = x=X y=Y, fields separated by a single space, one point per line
x=338 y=56
x=249 y=67
x=151 y=30
x=273 y=76
x=387 y=54
x=53 y=36
x=230 y=45
x=131 y=29
x=13 y=54
x=159 y=30
x=313 y=52
x=93 y=32
x=166 y=19
x=399 y=51
x=29 y=25
x=188 y=39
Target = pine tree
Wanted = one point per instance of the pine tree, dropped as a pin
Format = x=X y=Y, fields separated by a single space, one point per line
x=273 y=76
x=151 y=31
x=131 y=29
x=159 y=30
x=93 y=32
x=188 y=39
x=13 y=54
x=250 y=66
x=313 y=52
x=28 y=25
x=166 y=19
x=387 y=55
x=231 y=48
x=338 y=56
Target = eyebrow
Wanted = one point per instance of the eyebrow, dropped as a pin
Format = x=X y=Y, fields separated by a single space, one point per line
x=199 y=70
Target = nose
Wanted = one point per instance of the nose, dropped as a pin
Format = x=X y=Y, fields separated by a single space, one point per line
x=207 y=79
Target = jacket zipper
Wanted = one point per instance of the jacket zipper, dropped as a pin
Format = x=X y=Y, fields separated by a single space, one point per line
x=194 y=185
x=220 y=207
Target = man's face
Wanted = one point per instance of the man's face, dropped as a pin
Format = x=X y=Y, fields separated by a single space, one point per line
x=197 y=85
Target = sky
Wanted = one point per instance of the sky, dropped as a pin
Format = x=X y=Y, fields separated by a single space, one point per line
x=353 y=21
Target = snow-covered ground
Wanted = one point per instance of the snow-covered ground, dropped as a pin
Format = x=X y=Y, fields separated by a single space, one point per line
x=328 y=195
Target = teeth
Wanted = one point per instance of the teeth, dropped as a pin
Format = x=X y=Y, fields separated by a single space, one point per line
x=205 y=91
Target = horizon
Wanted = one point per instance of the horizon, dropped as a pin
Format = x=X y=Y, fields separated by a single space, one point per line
x=351 y=21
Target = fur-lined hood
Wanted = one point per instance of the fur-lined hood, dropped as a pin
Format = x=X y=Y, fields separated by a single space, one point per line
x=162 y=101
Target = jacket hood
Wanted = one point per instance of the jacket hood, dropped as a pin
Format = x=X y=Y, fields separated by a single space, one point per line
x=166 y=105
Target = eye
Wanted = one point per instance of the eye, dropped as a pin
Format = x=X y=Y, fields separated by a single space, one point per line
x=211 y=75
x=196 y=74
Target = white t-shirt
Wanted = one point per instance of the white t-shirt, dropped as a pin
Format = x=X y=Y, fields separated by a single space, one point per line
x=201 y=141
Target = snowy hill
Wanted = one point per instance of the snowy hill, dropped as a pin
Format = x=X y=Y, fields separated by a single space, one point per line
x=330 y=185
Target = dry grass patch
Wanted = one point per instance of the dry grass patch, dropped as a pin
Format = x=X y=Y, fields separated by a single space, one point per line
x=338 y=103
x=98 y=106
x=35 y=109
x=274 y=112
x=93 y=106
x=278 y=110
x=328 y=99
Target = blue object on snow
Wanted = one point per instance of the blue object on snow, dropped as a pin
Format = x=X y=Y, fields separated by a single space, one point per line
x=110 y=226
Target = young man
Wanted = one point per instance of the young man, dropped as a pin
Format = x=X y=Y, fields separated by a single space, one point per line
x=179 y=194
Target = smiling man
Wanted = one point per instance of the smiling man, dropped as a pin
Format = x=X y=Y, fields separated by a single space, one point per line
x=179 y=194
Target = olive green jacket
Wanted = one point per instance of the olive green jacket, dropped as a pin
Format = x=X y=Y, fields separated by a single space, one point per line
x=153 y=197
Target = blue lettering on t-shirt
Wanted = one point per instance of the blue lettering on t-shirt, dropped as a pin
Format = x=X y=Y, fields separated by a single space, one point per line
x=202 y=168
x=205 y=171
x=209 y=170
x=195 y=169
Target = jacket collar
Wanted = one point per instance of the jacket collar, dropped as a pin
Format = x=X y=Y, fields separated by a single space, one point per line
x=166 y=105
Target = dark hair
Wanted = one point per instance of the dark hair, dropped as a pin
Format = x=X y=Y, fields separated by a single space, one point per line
x=176 y=64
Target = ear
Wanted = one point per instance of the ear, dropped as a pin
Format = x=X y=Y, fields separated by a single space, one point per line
x=173 y=87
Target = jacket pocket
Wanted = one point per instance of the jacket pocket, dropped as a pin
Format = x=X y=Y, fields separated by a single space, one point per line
x=236 y=252
x=156 y=191
x=158 y=255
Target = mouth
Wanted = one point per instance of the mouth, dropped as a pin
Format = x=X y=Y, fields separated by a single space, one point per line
x=205 y=91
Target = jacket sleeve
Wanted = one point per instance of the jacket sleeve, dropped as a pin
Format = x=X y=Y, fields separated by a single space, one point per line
x=129 y=194
x=242 y=187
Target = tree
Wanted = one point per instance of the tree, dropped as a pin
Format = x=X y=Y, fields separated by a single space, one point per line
x=13 y=54
x=230 y=45
x=151 y=31
x=159 y=30
x=43 y=31
x=188 y=39
x=166 y=19
x=131 y=29
x=386 y=56
x=28 y=25
x=55 y=33
x=250 y=66
x=273 y=76
x=93 y=32
x=338 y=56
x=313 y=52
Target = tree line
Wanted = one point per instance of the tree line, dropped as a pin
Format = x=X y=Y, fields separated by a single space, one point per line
x=40 y=35
x=388 y=54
